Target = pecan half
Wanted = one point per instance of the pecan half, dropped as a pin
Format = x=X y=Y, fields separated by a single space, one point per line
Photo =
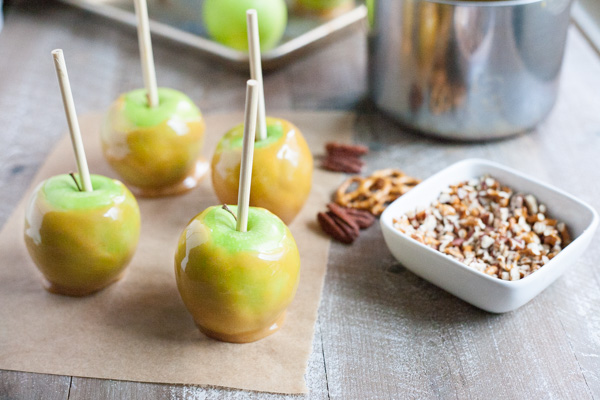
x=348 y=165
x=351 y=150
x=338 y=230
x=363 y=218
x=343 y=224
x=344 y=157
x=343 y=216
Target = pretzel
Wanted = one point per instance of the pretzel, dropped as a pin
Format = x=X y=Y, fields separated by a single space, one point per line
x=374 y=193
x=388 y=173
x=382 y=205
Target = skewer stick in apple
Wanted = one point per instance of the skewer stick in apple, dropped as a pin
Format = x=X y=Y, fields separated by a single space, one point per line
x=145 y=43
x=153 y=137
x=252 y=88
x=256 y=70
x=237 y=276
x=283 y=164
x=67 y=97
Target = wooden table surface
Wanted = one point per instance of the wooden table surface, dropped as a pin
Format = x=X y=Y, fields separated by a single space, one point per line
x=382 y=332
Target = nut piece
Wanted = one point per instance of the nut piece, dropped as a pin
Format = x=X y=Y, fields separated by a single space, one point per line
x=532 y=205
x=349 y=150
x=341 y=164
x=344 y=157
x=364 y=219
x=343 y=224
x=335 y=228
x=342 y=217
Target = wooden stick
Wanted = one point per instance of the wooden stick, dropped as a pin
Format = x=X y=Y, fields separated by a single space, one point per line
x=256 y=70
x=143 y=28
x=67 y=97
x=247 y=155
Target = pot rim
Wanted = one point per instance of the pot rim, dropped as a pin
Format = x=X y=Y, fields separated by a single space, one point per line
x=481 y=3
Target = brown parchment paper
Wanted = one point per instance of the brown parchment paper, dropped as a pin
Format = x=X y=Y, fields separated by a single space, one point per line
x=138 y=329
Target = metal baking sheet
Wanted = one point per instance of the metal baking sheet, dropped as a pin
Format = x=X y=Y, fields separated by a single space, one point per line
x=586 y=14
x=181 y=20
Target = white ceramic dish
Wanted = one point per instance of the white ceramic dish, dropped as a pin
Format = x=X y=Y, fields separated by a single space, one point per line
x=483 y=291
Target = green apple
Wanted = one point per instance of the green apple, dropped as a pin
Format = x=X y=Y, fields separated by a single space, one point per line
x=81 y=241
x=225 y=21
x=237 y=285
x=323 y=7
x=370 y=12
x=155 y=150
x=281 y=171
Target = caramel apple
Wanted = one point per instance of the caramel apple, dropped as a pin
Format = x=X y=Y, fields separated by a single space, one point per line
x=80 y=233
x=281 y=173
x=282 y=169
x=81 y=241
x=156 y=150
x=237 y=268
x=153 y=137
x=323 y=8
x=237 y=285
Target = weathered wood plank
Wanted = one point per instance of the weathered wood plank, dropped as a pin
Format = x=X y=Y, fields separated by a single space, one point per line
x=389 y=334
x=572 y=163
x=22 y=385
x=382 y=332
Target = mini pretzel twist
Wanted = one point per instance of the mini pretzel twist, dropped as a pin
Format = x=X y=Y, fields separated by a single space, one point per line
x=374 y=193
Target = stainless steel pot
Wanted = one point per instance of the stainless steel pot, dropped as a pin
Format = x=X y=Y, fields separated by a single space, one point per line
x=468 y=70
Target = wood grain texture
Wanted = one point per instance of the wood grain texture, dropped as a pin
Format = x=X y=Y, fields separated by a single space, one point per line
x=383 y=333
x=22 y=385
x=405 y=338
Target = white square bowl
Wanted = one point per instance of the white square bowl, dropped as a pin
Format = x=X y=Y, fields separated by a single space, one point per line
x=475 y=287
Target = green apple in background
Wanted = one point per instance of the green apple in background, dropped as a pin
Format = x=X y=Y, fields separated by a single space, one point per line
x=323 y=7
x=225 y=21
x=81 y=241
x=237 y=285
x=370 y=11
x=155 y=150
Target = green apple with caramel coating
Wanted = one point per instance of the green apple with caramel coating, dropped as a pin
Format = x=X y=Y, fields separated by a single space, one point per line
x=237 y=285
x=153 y=148
x=323 y=7
x=225 y=21
x=81 y=241
x=281 y=171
